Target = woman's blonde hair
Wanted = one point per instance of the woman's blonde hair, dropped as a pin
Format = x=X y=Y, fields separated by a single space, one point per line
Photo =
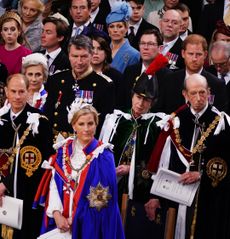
x=87 y=109
x=38 y=3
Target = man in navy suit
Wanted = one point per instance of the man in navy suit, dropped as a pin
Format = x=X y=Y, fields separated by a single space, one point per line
x=194 y=52
x=137 y=22
x=80 y=11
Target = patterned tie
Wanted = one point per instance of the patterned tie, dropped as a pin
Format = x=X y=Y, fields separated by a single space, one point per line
x=196 y=130
x=78 y=31
x=131 y=35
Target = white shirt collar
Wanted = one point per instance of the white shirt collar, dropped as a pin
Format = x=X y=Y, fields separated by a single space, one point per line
x=53 y=54
x=184 y=35
x=14 y=115
x=136 y=26
x=226 y=77
x=187 y=74
x=94 y=14
x=169 y=45
x=143 y=68
x=75 y=27
x=199 y=113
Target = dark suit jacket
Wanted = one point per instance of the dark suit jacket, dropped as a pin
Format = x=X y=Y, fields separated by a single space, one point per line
x=60 y=63
x=195 y=11
x=99 y=21
x=90 y=31
x=213 y=70
x=171 y=98
x=143 y=27
x=209 y=16
x=130 y=75
x=176 y=49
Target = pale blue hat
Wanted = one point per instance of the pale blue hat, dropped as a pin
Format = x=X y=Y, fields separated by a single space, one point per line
x=120 y=12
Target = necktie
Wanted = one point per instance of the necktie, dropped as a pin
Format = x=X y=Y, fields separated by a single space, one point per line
x=48 y=60
x=78 y=31
x=196 y=131
x=227 y=16
x=222 y=78
x=131 y=35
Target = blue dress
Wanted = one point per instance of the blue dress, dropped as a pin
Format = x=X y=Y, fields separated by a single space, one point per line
x=125 y=56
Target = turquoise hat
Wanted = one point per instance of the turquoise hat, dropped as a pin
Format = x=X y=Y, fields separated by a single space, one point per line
x=120 y=12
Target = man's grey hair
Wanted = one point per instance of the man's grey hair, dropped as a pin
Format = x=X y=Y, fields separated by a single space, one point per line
x=81 y=42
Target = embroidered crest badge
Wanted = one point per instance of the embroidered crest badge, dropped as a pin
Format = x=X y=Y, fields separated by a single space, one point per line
x=30 y=158
x=216 y=169
x=99 y=196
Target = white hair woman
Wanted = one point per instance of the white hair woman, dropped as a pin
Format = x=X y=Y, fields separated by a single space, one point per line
x=35 y=68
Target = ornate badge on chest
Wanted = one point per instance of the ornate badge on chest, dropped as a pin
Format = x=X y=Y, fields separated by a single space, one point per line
x=30 y=158
x=99 y=196
x=216 y=170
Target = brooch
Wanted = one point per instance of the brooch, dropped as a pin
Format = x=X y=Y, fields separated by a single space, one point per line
x=216 y=169
x=31 y=158
x=99 y=196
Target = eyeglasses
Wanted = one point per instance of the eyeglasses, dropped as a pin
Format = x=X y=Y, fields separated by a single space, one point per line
x=222 y=64
x=148 y=44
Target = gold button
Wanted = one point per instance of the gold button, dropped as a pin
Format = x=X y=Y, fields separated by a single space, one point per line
x=94 y=84
x=55 y=113
x=55 y=125
x=62 y=81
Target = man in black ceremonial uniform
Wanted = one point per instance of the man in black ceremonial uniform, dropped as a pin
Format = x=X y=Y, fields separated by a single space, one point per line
x=26 y=140
x=198 y=149
x=63 y=87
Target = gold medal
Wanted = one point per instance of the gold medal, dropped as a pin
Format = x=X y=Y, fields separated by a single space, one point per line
x=30 y=158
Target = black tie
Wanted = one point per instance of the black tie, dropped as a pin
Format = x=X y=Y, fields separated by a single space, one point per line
x=222 y=77
x=131 y=35
x=48 y=58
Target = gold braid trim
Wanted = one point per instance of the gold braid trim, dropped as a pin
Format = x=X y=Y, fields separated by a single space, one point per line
x=200 y=142
x=7 y=232
x=17 y=147
x=205 y=135
x=15 y=150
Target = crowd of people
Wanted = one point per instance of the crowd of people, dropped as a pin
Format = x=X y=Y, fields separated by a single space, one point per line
x=96 y=97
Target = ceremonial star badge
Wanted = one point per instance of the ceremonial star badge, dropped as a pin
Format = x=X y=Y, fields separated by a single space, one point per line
x=99 y=196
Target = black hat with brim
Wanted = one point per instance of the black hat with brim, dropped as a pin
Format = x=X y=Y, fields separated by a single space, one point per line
x=146 y=86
